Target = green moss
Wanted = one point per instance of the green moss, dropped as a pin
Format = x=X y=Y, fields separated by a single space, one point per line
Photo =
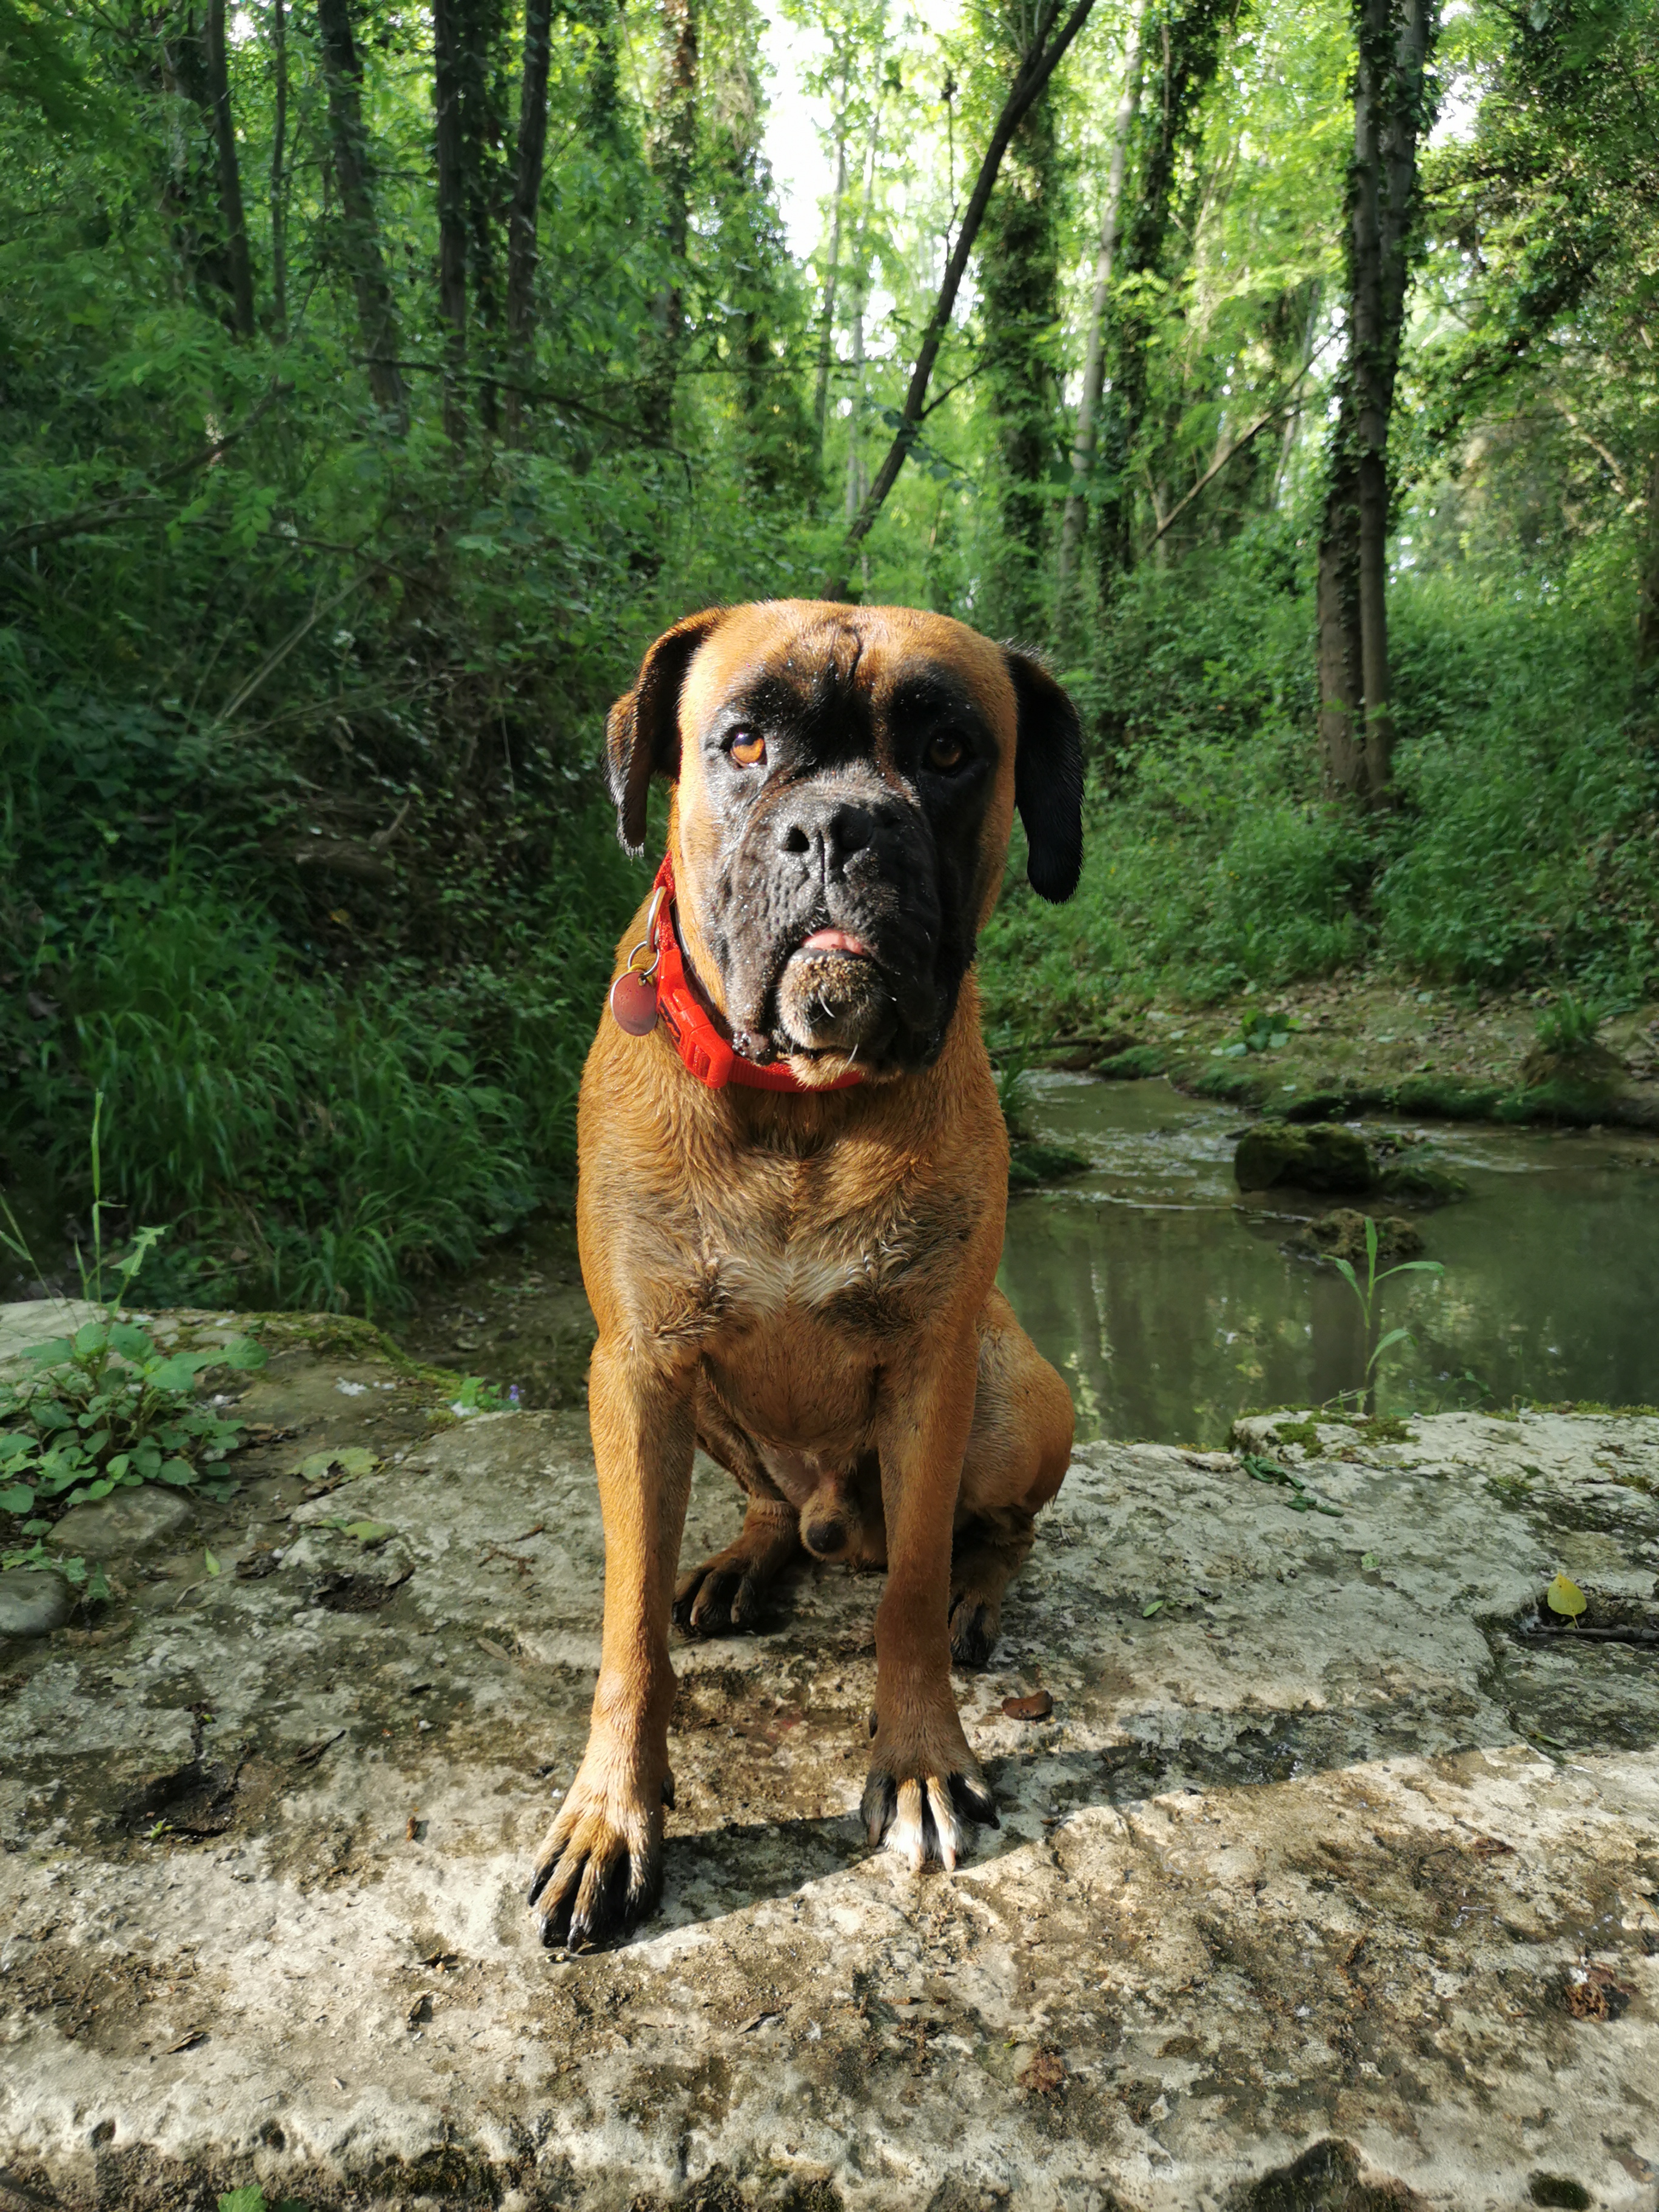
x=1305 y=1433
x=1446 y=1098
x=1140 y=1062
x=1561 y=1100
x=1389 y=1429
x=1031 y=1164
x=1323 y=1156
x=1421 y=1182
x=1327 y=1105
x=1236 y=1085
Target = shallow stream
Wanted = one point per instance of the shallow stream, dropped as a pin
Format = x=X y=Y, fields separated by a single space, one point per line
x=1170 y=1306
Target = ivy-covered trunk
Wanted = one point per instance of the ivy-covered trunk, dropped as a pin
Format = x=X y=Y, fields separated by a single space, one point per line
x=1183 y=46
x=1094 y=343
x=1019 y=276
x=1391 y=111
x=237 y=261
x=521 y=239
x=377 y=321
x=672 y=152
x=452 y=210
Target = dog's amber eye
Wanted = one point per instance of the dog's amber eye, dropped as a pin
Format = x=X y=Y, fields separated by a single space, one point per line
x=748 y=750
x=946 y=751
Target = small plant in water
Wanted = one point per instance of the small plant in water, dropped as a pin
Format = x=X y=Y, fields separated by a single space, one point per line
x=1366 y=1294
x=106 y=1408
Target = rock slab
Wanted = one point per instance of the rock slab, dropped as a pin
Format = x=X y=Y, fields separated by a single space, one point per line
x=1330 y=1879
x=31 y=1602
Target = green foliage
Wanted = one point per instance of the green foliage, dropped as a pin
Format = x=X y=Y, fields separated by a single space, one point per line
x=109 y=1409
x=1570 y=1025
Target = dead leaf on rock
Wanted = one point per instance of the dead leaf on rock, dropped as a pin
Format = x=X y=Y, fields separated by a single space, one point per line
x=1045 y=2074
x=1036 y=1707
x=1599 y=1996
x=189 y=2039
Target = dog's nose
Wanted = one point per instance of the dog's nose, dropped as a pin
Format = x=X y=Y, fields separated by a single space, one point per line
x=830 y=828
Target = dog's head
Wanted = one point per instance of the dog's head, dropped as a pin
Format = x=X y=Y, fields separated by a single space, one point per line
x=845 y=783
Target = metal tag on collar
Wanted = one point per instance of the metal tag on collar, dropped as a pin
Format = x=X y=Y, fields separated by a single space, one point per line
x=633 y=994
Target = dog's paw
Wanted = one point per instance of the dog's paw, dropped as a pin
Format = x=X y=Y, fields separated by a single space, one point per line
x=976 y=1624
x=724 y=1597
x=598 y=1871
x=925 y=1808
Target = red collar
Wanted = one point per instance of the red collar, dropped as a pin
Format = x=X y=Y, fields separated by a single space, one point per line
x=679 y=1007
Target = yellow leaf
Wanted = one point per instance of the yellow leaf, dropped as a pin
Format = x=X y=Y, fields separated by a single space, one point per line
x=1564 y=1596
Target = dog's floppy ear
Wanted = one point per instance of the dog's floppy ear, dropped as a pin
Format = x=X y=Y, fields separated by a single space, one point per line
x=642 y=730
x=1048 y=779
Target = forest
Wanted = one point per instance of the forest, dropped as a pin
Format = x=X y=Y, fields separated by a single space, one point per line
x=377 y=381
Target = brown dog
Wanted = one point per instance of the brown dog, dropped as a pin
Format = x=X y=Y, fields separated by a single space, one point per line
x=793 y=1189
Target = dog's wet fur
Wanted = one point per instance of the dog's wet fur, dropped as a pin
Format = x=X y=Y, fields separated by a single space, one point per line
x=804 y=1283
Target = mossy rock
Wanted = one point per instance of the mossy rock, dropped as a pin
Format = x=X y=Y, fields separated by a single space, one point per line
x=1030 y=1165
x=1575 y=1105
x=1323 y=1156
x=1586 y=1067
x=1420 y=1182
x=1323 y=1106
x=1447 y=1099
x=1234 y=1084
x=1140 y=1062
x=1341 y=1235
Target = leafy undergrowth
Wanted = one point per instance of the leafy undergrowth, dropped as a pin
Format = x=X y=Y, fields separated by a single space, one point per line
x=108 y=1409
x=1524 y=851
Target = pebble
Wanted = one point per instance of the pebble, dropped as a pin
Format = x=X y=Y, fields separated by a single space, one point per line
x=33 y=1603
x=126 y=1520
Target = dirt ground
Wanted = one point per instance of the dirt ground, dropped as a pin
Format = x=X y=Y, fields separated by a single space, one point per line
x=1331 y=1881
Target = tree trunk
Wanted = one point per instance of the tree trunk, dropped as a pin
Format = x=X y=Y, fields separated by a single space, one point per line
x=1390 y=113
x=1094 y=353
x=1020 y=282
x=481 y=37
x=1189 y=49
x=349 y=144
x=521 y=253
x=672 y=155
x=1341 y=685
x=278 y=178
x=452 y=212
x=1647 y=605
x=1044 y=55
x=827 y=335
x=230 y=174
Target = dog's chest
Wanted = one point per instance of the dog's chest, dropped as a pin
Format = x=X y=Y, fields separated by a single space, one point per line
x=785 y=1241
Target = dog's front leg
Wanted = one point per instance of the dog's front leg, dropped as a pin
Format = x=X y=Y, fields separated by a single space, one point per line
x=600 y=1868
x=925 y=1783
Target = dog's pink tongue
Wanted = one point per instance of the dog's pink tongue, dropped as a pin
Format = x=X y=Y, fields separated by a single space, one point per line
x=836 y=940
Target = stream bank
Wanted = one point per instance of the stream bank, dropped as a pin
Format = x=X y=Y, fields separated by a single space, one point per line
x=1351 y=1046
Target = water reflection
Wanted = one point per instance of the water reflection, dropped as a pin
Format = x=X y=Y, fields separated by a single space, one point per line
x=1170 y=1308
